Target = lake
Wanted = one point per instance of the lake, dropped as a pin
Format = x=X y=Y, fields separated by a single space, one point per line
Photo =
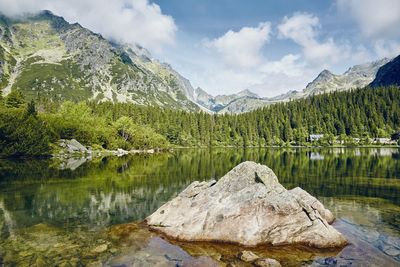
x=83 y=212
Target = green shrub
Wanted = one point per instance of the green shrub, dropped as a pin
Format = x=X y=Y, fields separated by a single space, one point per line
x=128 y=135
x=23 y=135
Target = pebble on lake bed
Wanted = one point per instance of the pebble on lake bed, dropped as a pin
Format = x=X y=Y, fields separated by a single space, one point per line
x=267 y=263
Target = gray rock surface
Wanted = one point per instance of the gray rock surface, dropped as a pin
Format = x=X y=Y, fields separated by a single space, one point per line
x=248 y=256
x=247 y=206
x=72 y=146
x=158 y=252
x=98 y=69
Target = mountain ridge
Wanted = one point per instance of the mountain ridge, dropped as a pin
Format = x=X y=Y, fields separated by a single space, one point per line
x=357 y=76
x=219 y=102
x=389 y=74
x=44 y=55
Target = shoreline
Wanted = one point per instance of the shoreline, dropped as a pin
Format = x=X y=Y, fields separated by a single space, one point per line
x=120 y=152
x=273 y=146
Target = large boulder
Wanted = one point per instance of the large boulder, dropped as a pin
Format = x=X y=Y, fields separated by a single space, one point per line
x=247 y=206
x=72 y=146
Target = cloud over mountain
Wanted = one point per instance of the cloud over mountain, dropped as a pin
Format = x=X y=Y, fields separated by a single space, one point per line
x=379 y=19
x=242 y=48
x=378 y=22
x=128 y=21
x=302 y=28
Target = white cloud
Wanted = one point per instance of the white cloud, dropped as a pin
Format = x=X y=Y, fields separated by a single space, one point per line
x=290 y=72
x=241 y=65
x=378 y=22
x=385 y=48
x=130 y=21
x=302 y=28
x=361 y=54
x=289 y=65
x=15 y=7
x=270 y=78
x=379 y=19
x=236 y=60
x=242 y=48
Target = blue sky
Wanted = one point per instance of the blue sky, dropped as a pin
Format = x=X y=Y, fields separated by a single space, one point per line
x=225 y=46
x=340 y=27
x=213 y=18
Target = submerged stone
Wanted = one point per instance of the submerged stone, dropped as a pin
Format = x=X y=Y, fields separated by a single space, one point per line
x=248 y=256
x=157 y=252
x=100 y=249
x=267 y=263
x=247 y=206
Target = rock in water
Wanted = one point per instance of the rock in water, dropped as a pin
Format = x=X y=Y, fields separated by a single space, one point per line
x=248 y=256
x=72 y=146
x=247 y=206
x=267 y=263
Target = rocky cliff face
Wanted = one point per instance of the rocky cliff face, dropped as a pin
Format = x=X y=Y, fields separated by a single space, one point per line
x=388 y=74
x=43 y=55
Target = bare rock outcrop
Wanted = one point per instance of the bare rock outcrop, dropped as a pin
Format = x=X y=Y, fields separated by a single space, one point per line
x=247 y=206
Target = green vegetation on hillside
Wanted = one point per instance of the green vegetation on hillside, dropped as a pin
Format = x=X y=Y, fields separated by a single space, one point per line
x=25 y=132
x=45 y=57
x=53 y=81
x=21 y=131
x=340 y=116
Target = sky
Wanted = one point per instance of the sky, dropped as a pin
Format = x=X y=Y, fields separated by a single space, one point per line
x=225 y=46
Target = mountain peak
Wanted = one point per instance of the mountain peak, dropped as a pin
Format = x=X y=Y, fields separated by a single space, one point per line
x=84 y=66
x=247 y=92
x=322 y=78
x=366 y=69
x=200 y=91
x=325 y=73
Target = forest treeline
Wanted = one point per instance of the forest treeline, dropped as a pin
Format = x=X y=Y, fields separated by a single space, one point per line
x=361 y=113
x=29 y=127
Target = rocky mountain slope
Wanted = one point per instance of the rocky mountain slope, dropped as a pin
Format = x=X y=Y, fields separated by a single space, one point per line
x=388 y=74
x=355 y=77
x=45 y=56
x=220 y=102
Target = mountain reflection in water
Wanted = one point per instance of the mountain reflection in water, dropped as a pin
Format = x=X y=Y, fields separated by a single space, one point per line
x=361 y=186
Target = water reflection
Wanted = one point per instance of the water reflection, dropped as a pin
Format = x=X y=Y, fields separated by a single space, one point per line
x=372 y=220
x=109 y=191
x=115 y=190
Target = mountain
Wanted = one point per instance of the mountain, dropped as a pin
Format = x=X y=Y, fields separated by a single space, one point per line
x=220 y=102
x=204 y=99
x=388 y=74
x=43 y=55
x=355 y=77
x=245 y=104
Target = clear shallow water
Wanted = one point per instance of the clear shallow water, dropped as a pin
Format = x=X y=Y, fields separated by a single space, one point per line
x=52 y=216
